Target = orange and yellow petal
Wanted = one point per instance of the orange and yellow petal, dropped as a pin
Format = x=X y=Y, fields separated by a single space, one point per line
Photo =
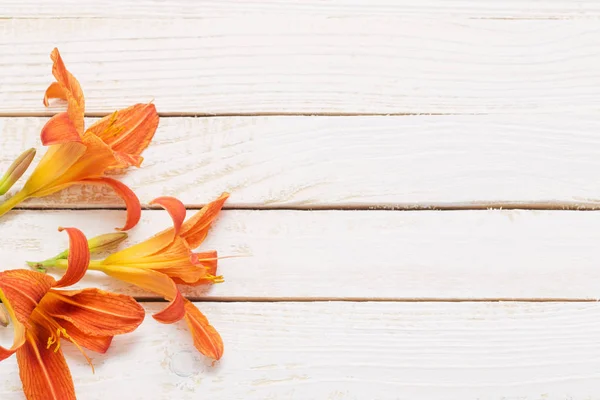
x=24 y=289
x=144 y=250
x=78 y=258
x=96 y=159
x=70 y=89
x=18 y=330
x=207 y=259
x=154 y=282
x=132 y=203
x=175 y=208
x=196 y=228
x=59 y=129
x=44 y=372
x=205 y=262
x=206 y=338
x=128 y=132
x=53 y=165
x=94 y=311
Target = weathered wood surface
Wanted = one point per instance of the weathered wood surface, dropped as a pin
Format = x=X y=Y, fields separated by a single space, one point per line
x=397 y=255
x=509 y=9
x=348 y=350
x=549 y=161
x=308 y=64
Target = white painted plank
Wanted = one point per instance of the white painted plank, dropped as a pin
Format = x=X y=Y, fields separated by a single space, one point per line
x=307 y=162
x=449 y=351
x=359 y=254
x=291 y=63
x=518 y=9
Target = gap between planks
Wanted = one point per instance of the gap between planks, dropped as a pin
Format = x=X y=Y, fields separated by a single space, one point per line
x=216 y=299
x=476 y=206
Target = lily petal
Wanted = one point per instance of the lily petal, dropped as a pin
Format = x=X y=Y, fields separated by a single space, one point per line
x=94 y=311
x=205 y=262
x=99 y=344
x=154 y=282
x=78 y=259
x=57 y=160
x=59 y=129
x=128 y=131
x=18 y=330
x=206 y=338
x=24 y=289
x=195 y=229
x=71 y=91
x=44 y=372
x=54 y=91
x=132 y=203
x=175 y=208
x=207 y=259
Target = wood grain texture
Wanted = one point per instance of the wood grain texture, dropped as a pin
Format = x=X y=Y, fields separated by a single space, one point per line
x=291 y=63
x=396 y=255
x=460 y=351
x=352 y=162
x=517 y=9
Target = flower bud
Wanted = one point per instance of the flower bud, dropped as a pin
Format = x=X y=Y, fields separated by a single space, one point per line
x=97 y=244
x=16 y=170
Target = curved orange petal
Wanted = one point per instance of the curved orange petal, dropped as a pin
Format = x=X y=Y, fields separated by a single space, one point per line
x=24 y=289
x=175 y=208
x=154 y=282
x=18 y=330
x=99 y=344
x=59 y=129
x=71 y=90
x=78 y=259
x=54 y=91
x=206 y=338
x=53 y=165
x=44 y=372
x=195 y=229
x=128 y=132
x=132 y=203
x=94 y=311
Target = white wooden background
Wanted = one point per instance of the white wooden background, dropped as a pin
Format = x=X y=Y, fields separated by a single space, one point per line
x=407 y=180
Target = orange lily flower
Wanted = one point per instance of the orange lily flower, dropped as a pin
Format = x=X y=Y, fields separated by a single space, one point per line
x=77 y=155
x=41 y=315
x=166 y=259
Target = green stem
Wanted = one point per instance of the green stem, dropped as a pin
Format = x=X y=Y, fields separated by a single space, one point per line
x=12 y=202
